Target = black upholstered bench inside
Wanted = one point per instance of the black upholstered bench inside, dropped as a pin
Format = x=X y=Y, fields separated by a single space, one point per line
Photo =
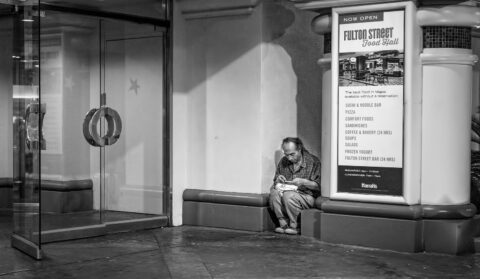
x=241 y=211
x=5 y=193
x=6 y=182
x=67 y=196
x=57 y=196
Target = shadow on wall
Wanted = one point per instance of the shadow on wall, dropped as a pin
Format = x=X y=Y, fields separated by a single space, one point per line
x=277 y=18
x=290 y=28
x=278 y=157
x=220 y=49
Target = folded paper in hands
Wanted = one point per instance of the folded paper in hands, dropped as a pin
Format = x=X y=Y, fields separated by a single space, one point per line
x=285 y=187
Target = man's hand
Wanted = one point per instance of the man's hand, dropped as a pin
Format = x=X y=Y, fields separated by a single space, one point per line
x=280 y=179
x=299 y=182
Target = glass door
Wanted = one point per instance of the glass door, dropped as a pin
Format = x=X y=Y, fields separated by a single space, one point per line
x=90 y=120
x=102 y=81
x=70 y=88
x=133 y=83
x=28 y=112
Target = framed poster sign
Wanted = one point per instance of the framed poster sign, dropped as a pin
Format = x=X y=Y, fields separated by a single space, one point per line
x=369 y=83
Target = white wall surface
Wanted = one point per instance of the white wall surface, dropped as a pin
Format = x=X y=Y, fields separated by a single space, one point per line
x=223 y=76
x=279 y=107
x=233 y=105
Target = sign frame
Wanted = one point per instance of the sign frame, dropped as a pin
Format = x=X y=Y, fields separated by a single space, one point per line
x=411 y=133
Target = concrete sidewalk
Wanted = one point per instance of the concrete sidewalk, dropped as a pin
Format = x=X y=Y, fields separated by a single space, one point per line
x=195 y=252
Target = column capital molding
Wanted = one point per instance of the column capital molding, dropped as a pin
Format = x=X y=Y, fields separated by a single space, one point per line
x=199 y=9
x=318 y=5
x=448 y=56
x=458 y=15
x=325 y=61
x=321 y=5
x=476 y=32
x=322 y=24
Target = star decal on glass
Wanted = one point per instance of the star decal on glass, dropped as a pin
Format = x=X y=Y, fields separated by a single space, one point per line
x=134 y=85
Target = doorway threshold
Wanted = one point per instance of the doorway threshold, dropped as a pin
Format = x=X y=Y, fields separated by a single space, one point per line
x=111 y=227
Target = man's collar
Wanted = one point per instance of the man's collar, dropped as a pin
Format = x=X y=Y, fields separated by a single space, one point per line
x=304 y=162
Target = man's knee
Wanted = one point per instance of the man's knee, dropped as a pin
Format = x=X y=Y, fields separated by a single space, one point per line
x=274 y=193
x=290 y=197
x=275 y=196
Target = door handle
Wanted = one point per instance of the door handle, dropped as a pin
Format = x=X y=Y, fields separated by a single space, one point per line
x=34 y=115
x=91 y=122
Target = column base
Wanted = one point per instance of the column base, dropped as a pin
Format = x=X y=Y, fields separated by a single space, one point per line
x=310 y=222
x=383 y=233
x=392 y=227
x=449 y=236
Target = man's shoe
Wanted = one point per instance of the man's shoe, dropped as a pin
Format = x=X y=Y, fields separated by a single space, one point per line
x=280 y=229
x=291 y=231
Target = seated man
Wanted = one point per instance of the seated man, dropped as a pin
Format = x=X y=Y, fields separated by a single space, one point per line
x=296 y=184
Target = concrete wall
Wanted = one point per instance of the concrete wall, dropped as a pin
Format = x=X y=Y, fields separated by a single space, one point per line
x=233 y=104
x=223 y=77
x=291 y=83
x=242 y=83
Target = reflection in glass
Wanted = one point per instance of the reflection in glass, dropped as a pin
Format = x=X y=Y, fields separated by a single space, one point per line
x=69 y=88
x=27 y=130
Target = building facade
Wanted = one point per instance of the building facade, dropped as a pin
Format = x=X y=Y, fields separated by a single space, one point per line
x=140 y=114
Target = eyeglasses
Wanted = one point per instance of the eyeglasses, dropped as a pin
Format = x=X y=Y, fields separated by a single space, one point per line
x=291 y=154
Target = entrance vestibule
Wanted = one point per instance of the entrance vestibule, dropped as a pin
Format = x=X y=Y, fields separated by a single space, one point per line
x=83 y=120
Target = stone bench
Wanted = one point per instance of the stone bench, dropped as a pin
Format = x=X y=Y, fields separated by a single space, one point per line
x=239 y=211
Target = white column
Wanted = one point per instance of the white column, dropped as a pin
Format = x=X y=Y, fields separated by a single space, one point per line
x=446 y=110
x=446 y=114
x=323 y=25
x=326 y=63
